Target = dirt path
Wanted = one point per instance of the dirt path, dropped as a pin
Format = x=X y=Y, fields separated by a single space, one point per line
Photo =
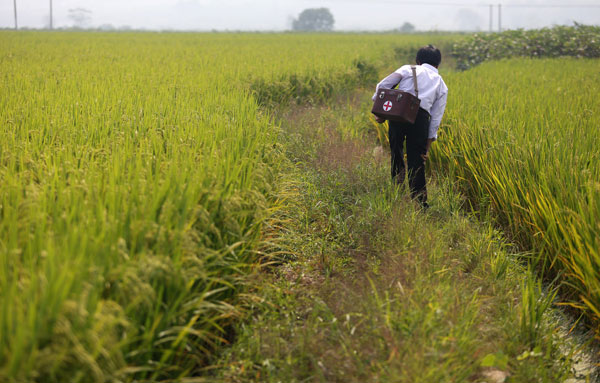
x=372 y=289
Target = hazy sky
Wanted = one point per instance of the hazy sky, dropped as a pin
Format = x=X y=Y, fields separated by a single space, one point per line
x=277 y=14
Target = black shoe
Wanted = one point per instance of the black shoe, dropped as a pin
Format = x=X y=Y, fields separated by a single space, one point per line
x=425 y=206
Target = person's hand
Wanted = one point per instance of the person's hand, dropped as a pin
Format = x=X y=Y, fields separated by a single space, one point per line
x=379 y=120
x=427 y=147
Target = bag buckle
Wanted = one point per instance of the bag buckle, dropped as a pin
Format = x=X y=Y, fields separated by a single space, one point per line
x=399 y=97
x=382 y=94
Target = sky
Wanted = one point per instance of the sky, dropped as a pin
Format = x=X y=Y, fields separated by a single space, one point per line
x=277 y=15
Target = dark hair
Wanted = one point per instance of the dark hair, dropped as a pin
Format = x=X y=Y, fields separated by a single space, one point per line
x=429 y=55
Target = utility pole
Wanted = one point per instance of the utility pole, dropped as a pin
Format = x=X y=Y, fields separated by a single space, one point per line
x=15 y=6
x=50 y=14
x=499 y=17
x=491 y=17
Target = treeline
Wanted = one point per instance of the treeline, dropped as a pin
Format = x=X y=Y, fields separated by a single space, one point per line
x=573 y=41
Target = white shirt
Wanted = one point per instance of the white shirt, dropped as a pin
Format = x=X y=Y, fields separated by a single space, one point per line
x=433 y=92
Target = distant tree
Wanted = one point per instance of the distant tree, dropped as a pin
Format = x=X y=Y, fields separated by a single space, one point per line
x=107 y=27
x=314 y=19
x=407 y=28
x=81 y=17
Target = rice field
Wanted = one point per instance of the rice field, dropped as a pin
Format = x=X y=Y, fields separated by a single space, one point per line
x=137 y=172
x=522 y=136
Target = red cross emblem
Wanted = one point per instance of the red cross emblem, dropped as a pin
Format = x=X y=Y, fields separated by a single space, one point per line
x=387 y=106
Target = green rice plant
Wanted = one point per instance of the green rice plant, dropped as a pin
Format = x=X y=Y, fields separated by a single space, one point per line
x=318 y=84
x=522 y=137
x=381 y=130
x=138 y=173
x=534 y=304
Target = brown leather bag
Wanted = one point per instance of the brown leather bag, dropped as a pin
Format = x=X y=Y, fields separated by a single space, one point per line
x=395 y=105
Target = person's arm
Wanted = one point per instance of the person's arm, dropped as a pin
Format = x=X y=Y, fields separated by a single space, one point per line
x=437 y=112
x=388 y=83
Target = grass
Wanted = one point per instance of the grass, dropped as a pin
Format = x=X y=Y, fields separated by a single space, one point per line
x=143 y=184
x=378 y=290
x=139 y=177
x=523 y=143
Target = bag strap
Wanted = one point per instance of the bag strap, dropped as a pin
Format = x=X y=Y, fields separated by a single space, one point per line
x=414 y=71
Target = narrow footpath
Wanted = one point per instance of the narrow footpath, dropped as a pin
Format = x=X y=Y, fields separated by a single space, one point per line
x=370 y=288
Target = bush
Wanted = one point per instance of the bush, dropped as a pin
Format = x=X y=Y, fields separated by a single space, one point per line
x=575 y=41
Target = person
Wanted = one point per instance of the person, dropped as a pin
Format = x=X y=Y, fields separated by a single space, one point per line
x=419 y=136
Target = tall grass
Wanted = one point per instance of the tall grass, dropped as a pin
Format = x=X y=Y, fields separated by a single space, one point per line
x=523 y=137
x=136 y=172
x=133 y=190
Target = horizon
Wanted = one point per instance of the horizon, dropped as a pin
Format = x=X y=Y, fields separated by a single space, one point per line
x=272 y=16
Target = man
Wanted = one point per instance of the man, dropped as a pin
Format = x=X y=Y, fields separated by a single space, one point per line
x=433 y=93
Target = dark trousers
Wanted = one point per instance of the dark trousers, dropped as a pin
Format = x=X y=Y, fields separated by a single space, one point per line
x=415 y=135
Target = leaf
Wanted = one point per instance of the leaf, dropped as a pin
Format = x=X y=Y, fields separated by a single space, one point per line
x=523 y=356
x=488 y=361
x=498 y=359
